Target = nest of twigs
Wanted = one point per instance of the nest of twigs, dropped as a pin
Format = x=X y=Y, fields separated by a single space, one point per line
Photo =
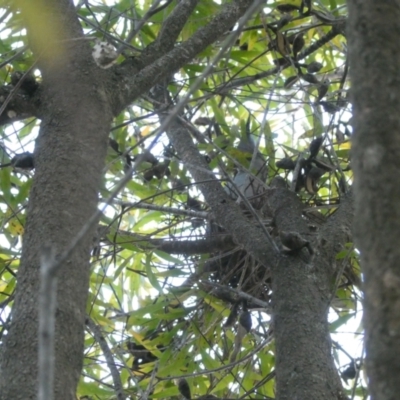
x=237 y=269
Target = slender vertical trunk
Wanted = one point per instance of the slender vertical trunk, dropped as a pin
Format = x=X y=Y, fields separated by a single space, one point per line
x=374 y=32
x=69 y=159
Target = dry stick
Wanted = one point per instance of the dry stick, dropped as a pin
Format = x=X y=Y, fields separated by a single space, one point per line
x=135 y=379
x=133 y=205
x=194 y=278
x=47 y=308
x=170 y=210
x=95 y=379
x=108 y=356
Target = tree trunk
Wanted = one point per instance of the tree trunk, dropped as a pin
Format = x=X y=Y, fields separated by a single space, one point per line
x=69 y=160
x=374 y=31
x=301 y=289
x=301 y=292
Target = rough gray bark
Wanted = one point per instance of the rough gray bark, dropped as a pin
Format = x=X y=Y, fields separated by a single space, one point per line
x=374 y=31
x=302 y=286
x=69 y=158
x=301 y=293
x=77 y=102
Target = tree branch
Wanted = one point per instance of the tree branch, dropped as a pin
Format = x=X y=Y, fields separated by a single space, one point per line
x=301 y=290
x=226 y=212
x=109 y=358
x=169 y=32
x=169 y=210
x=223 y=88
x=131 y=83
x=188 y=247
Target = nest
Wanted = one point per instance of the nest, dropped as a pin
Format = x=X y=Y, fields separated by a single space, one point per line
x=235 y=268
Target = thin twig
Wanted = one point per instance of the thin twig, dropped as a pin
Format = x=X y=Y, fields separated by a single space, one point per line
x=108 y=356
x=224 y=367
x=170 y=210
x=137 y=28
x=241 y=295
x=150 y=385
x=199 y=81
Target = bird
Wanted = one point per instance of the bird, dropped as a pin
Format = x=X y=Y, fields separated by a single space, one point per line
x=184 y=388
x=249 y=184
x=245 y=320
x=22 y=161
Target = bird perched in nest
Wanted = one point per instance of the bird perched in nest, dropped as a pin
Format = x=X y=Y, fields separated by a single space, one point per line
x=249 y=184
